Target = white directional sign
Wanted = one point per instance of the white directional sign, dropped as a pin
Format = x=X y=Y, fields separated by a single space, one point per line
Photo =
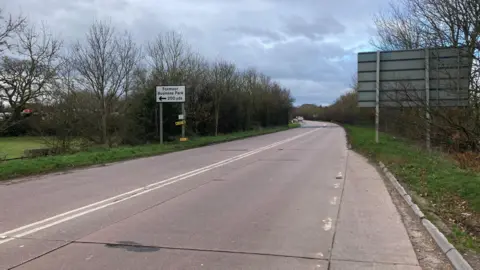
x=170 y=94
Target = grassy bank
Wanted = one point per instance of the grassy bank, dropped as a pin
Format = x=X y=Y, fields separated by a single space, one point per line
x=25 y=167
x=440 y=184
x=13 y=147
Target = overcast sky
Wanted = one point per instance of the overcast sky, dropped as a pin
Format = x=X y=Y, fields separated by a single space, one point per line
x=308 y=46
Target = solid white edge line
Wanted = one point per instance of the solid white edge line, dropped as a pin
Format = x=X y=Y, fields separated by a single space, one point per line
x=133 y=193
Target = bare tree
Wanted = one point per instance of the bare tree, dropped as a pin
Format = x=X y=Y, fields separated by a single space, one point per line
x=197 y=87
x=9 y=27
x=411 y=24
x=104 y=65
x=223 y=76
x=27 y=76
x=397 y=29
x=169 y=56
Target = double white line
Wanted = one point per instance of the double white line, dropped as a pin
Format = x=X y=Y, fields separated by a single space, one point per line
x=64 y=217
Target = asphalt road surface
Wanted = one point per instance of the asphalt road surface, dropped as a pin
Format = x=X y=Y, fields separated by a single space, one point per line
x=297 y=199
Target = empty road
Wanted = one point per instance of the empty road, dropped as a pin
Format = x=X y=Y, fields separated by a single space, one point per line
x=297 y=199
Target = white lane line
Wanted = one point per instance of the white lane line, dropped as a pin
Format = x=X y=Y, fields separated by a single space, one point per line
x=54 y=220
x=327 y=224
x=333 y=201
x=336 y=185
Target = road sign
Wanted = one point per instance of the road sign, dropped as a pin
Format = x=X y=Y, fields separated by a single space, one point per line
x=414 y=78
x=183 y=139
x=181 y=117
x=407 y=78
x=170 y=94
x=180 y=123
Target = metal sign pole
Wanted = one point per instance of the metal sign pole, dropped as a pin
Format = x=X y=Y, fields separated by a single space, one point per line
x=377 y=98
x=427 y=98
x=184 y=119
x=161 y=122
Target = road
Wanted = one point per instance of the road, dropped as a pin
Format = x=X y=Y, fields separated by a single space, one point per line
x=297 y=199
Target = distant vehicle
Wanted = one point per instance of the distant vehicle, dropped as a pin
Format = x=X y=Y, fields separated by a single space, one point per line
x=300 y=118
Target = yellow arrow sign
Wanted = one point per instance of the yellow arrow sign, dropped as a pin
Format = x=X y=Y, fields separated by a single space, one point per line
x=180 y=123
x=183 y=139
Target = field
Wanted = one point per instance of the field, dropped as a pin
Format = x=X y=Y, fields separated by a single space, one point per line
x=440 y=186
x=13 y=147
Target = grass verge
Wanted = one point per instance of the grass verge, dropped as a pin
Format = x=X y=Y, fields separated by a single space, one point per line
x=294 y=125
x=13 y=147
x=451 y=193
x=26 y=167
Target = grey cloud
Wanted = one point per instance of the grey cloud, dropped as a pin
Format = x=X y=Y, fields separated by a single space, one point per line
x=304 y=60
x=265 y=34
x=316 y=29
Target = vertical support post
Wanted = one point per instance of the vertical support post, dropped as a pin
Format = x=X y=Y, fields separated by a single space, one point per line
x=427 y=98
x=161 y=122
x=184 y=119
x=377 y=98
x=458 y=78
x=157 y=126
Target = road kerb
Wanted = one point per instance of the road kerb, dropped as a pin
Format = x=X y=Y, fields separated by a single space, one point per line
x=417 y=211
x=408 y=199
x=441 y=240
x=456 y=259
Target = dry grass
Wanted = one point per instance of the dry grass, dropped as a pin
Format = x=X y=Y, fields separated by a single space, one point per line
x=468 y=160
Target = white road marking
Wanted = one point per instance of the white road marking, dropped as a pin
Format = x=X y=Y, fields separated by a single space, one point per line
x=337 y=185
x=320 y=254
x=327 y=226
x=333 y=201
x=57 y=219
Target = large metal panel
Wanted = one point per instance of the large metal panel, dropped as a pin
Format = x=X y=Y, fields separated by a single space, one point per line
x=391 y=55
x=447 y=52
x=412 y=95
x=441 y=84
x=403 y=55
x=395 y=104
x=391 y=76
x=403 y=73
x=393 y=65
x=367 y=57
x=412 y=54
x=451 y=73
x=448 y=95
x=449 y=65
x=449 y=62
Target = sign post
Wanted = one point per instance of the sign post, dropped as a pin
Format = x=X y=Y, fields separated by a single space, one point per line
x=169 y=94
x=183 y=126
x=161 y=121
x=427 y=98
x=377 y=97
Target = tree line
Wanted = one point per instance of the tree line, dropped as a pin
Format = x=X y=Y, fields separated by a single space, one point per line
x=416 y=24
x=102 y=88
